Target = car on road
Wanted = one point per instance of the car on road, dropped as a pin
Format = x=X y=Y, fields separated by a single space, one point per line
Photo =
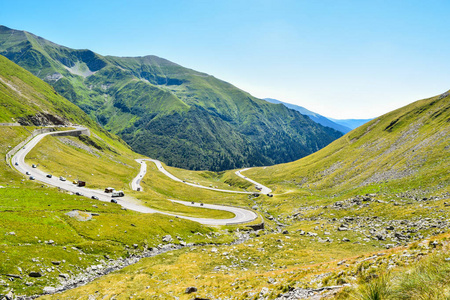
x=28 y=173
x=16 y=164
x=94 y=197
x=62 y=178
x=34 y=166
x=32 y=178
x=117 y=194
x=201 y=204
x=113 y=201
x=49 y=175
x=78 y=194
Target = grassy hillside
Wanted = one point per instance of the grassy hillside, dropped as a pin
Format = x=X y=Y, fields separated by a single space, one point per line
x=64 y=244
x=404 y=148
x=183 y=117
x=60 y=236
x=361 y=212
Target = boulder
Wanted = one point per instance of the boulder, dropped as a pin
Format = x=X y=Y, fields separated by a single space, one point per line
x=191 y=289
x=9 y=296
x=342 y=227
x=49 y=290
x=167 y=238
x=35 y=274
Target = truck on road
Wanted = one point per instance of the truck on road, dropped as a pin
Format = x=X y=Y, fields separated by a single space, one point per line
x=109 y=190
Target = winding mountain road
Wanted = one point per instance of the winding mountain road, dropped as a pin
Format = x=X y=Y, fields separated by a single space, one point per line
x=264 y=189
x=18 y=162
x=135 y=183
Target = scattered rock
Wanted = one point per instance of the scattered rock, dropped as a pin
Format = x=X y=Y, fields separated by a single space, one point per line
x=264 y=291
x=191 y=289
x=167 y=238
x=49 y=290
x=342 y=227
x=9 y=296
x=35 y=274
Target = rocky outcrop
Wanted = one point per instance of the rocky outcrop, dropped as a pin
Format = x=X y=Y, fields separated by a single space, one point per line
x=42 y=119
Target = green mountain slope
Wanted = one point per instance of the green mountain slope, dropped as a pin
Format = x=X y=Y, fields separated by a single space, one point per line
x=51 y=233
x=28 y=100
x=405 y=148
x=351 y=216
x=183 y=117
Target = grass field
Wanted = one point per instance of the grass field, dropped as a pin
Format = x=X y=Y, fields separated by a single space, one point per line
x=333 y=216
x=36 y=230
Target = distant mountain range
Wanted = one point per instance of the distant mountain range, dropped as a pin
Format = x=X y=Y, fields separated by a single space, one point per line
x=351 y=123
x=343 y=126
x=183 y=117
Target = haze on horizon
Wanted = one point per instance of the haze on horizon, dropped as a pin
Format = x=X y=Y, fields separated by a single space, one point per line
x=342 y=59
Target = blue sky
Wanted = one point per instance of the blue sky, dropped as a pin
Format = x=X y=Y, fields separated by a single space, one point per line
x=342 y=59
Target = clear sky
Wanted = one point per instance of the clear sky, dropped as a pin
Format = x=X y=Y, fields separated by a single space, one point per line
x=342 y=59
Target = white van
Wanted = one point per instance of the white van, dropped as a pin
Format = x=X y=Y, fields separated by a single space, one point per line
x=117 y=194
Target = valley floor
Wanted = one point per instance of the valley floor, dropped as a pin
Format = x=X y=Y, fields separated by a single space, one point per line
x=339 y=225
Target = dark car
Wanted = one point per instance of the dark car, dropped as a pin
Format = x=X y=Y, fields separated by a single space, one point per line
x=32 y=178
x=16 y=163
x=49 y=175
x=28 y=173
x=94 y=197
x=113 y=201
x=78 y=194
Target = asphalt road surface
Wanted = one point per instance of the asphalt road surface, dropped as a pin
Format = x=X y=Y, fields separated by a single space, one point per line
x=264 y=189
x=18 y=162
x=135 y=184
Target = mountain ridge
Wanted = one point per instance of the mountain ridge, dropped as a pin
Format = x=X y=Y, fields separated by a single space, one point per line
x=140 y=98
